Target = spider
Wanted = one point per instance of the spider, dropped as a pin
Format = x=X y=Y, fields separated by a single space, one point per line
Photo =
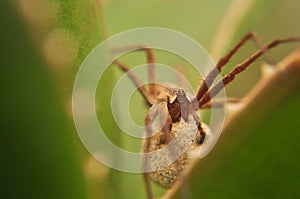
x=179 y=110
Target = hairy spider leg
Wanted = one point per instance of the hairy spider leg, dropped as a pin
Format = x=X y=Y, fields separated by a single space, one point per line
x=223 y=61
x=199 y=126
x=219 y=103
x=148 y=95
x=213 y=91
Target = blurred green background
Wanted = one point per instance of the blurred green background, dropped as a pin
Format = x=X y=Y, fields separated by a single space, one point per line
x=43 y=45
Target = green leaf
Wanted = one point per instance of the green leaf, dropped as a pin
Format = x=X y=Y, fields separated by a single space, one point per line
x=43 y=45
x=38 y=155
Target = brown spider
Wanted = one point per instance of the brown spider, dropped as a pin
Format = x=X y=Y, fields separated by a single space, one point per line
x=180 y=111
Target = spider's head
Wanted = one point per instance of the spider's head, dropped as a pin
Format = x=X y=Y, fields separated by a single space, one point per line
x=179 y=105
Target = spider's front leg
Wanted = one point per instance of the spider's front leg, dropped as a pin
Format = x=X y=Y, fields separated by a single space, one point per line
x=145 y=160
x=213 y=91
x=150 y=94
x=207 y=92
x=210 y=78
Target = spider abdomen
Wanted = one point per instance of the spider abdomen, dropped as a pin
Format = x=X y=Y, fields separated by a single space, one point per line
x=175 y=155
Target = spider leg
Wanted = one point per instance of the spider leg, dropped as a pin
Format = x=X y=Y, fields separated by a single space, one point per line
x=137 y=82
x=218 y=103
x=148 y=187
x=223 y=61
x=145 y=159
x=200 y=129
x=151 y=70
x=213 y=91
x=180 y=77
x=148 y=96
